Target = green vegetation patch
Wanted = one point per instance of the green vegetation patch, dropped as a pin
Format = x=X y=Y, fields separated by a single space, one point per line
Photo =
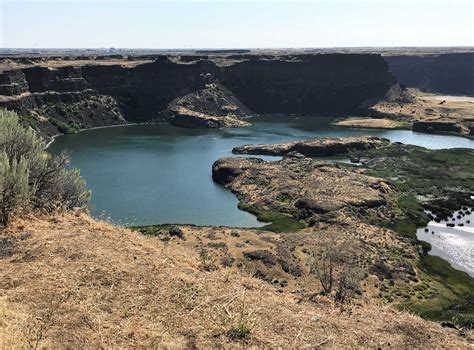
x=159 y=229
x=279 y=222
x=64 y=127
x=441 y=181
x=422 y=171
x=452 y=298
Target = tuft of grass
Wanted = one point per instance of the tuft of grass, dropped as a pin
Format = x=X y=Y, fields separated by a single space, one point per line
x=244 y=322
x=239 y=331
x=279 y=222
x=188 y=295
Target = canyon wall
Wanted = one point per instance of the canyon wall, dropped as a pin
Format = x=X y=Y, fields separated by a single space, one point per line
x=307 y=84
x=446 y=73
x=52 y=98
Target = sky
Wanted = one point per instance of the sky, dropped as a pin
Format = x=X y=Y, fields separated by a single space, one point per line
x=187 y=24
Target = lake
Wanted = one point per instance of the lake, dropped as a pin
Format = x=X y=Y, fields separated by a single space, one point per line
x=454 y=244
x=158 y=173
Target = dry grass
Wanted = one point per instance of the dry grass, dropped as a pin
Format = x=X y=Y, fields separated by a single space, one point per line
x=72 y=282
x=370 y=123
x=428 y=107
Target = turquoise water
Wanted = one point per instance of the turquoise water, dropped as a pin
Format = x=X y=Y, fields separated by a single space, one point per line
x=151 y=174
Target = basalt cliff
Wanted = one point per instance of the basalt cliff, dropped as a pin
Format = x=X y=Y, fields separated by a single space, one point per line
x=448 y=73
x=70 y=95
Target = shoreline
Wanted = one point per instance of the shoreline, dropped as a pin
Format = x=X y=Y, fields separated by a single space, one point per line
x=402 y=126
x=53 y=138
x=333 y=124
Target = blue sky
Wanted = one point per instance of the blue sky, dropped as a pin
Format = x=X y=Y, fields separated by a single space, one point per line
x=235 y=23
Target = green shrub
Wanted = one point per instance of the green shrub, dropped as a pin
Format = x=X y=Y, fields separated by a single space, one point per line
x=14 y=189
x=32 y=179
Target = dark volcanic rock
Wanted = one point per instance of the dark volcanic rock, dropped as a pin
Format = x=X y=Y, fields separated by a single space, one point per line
x=315 y=147
x=299 y=187
x=212 y=107
x=226 y=169
x=264 y=256
x=318 y=206
x=303 y=84
x=436 y=126
x=447 y=73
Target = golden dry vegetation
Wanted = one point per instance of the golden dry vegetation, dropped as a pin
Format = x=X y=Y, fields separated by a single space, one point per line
x=370 y=123
x=68 y=281
x=420 y=106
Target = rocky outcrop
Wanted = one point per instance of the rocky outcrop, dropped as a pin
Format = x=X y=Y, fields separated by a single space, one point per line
x=446 y=73
x=13 y=83
x=301 y=84
x=315 y=147
x=301 y=187
x=436 y=126
x=191 y=119
x=212 y=107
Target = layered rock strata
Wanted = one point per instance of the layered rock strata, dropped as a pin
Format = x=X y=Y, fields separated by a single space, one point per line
x=334 y=84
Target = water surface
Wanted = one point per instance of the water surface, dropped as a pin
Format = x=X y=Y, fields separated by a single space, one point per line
x=453 y=244
x=150 y=174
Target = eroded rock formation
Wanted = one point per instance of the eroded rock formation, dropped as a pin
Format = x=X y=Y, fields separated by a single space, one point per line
x=212 y=107
x=315 y=147
x=301 y=187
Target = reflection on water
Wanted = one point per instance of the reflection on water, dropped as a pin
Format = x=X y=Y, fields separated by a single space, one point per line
x=453 y=243
x=149 y=174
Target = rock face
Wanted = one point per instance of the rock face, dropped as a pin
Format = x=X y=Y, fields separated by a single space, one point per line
x=447 y=73
x=315 y=147
x=303 y=84
x=299 y=187
x=308 y=84
x=437 y=126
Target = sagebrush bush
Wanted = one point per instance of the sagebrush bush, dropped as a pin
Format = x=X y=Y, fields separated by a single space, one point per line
x=30 y=178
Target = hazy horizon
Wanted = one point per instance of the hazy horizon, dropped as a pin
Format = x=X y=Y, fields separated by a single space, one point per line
x=234 y=24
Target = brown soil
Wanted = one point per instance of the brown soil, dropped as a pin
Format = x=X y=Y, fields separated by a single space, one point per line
x=68 y=281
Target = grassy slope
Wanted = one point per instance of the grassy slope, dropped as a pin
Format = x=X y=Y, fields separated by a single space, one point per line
x=73 y=282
